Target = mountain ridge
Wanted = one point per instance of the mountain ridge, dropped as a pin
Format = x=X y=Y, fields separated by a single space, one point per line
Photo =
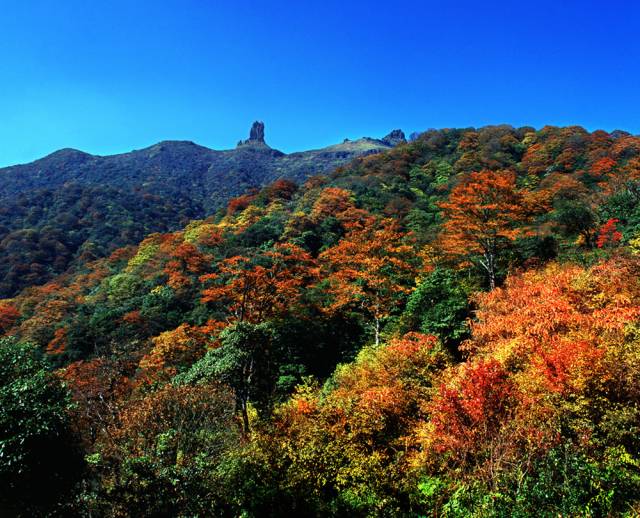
x=70 y=203
x=253 y=160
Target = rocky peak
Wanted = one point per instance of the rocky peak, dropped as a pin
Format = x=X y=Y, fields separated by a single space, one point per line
x=256 y=134
x=394 y=138
x=256 y=144
x=257 y=131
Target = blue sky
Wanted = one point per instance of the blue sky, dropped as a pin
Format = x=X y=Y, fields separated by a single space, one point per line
x=112 y=76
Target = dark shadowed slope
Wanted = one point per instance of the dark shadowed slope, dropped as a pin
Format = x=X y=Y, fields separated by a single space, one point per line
x=176 y=167
x=72 y=204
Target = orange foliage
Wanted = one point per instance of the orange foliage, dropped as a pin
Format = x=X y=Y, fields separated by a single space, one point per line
x=560 y=186
x=381 y=373
x=369 y=269
x=537 y=160
x=332 y=201
x=534 y=309
x=362 y=425
x=339 y=203
x=254 y=292
x=199 y=418
x=58 y=345
x=177 y=348
x=567 y=364
x=473 y=409
x=211 y=239
x=550 y=349
x=133 y=318
x=98 y=387
x=603 y=166
x=185 y=259
x=281 y=189
x=122 y=254
x=484 y=212
x=240 y=203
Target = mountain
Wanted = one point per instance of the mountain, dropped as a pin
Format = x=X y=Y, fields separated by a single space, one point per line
x=448 y=327
x=208 y=177
x=71 y=205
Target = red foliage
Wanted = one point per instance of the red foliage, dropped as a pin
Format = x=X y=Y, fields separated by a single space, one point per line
x=608 y=235
x=214 y=238
x=185 y=259
x=9 y=314
x=603 y=166
x=281 y=189
x=332 y=201
x=98 y=387
x=369 y=269
x=565 y=364
x=58 y=344
x=122 y=254
x=239 y=204
x=471 y=412
x=253 y=291
x=484 y=212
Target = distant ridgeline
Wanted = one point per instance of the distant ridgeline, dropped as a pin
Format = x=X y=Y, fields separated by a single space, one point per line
x=72 y=206
x=447 y=328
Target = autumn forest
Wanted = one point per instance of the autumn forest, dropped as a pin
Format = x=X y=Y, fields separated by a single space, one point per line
x=446 y=328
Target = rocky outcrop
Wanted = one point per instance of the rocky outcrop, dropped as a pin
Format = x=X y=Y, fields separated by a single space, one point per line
x=394 y=138
x=257 y=131
x=256 y=135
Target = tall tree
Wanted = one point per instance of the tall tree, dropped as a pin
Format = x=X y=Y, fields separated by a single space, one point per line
x=257 y=289
x=483 y=215
x=243 y=362
x=370 y=270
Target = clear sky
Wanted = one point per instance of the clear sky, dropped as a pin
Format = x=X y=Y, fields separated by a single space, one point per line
x=114 y=75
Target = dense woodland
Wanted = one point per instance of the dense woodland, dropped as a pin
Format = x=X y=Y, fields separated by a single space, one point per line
x=449 y=328
x=70 y=207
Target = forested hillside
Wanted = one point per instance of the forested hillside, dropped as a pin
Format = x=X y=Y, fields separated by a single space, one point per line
x=448 y=328
x=70 y=207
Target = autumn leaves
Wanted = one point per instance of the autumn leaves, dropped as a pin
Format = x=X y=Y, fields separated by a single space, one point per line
x=485 y=213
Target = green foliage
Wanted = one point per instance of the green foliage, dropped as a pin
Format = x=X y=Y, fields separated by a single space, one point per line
x=39 y=459
x=575 y=218
x=242 y=362
x=122 y=287
x=439 y=306
x=45 y=231
x=563 y=483
x=624 y=206
x=395 y=430
x=267 y=230
x=167 y=456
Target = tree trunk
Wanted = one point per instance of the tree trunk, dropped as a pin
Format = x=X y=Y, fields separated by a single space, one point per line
x=492 y=279
x=489 y=264
x=245 y=415
x=377 y=330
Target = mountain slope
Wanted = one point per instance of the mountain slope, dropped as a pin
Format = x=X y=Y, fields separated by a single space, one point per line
x=172 y=167
x=72 y=205
x=567 y=172
x=200 y=362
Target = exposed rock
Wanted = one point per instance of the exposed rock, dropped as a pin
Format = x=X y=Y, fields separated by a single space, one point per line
x=394 y=138
x=257 y=131
x=256 y=137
